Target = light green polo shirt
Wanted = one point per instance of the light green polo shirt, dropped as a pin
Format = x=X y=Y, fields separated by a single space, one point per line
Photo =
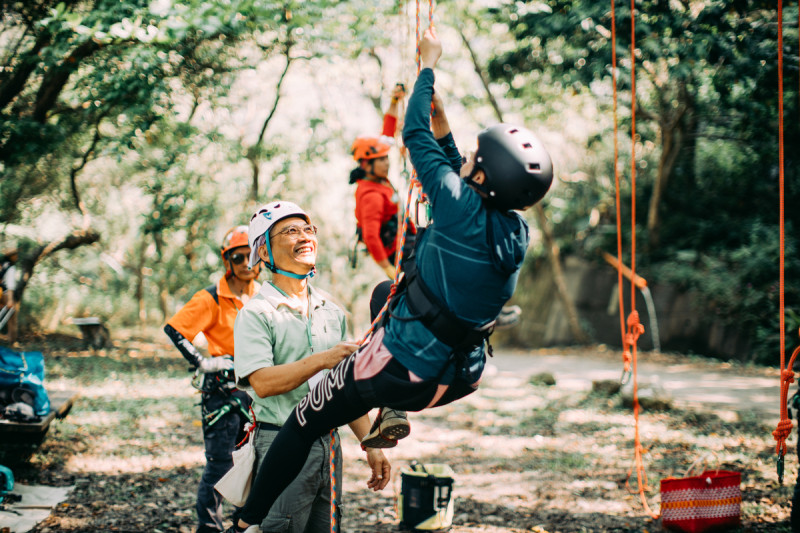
x=268 y=332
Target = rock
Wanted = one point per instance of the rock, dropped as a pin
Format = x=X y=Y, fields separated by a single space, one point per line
x=542 y=378
x=652 y=396
x=606 y=387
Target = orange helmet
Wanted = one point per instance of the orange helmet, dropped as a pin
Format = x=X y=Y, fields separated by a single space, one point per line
x=234 y=238
x=369 y=148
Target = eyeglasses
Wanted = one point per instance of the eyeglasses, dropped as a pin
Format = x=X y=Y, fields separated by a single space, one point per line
x=237 y=259
x=293 y=232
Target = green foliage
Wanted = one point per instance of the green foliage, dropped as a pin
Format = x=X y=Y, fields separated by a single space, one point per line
x=739 y=284
x=717 y=62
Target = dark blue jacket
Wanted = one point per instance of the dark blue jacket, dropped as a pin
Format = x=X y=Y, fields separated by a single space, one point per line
x=470 y=255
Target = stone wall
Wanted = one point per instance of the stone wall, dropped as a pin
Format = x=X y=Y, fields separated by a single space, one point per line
x=683 y=326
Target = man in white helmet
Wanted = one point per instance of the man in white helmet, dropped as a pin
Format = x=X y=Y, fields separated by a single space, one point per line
x=287 y=336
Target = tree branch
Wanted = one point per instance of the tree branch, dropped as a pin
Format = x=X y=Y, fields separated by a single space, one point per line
x=29 y=261
x=479 y=71
x=11 y=87
x=252 y=153
x=55 y=80
x=74 y=172
x=277 y=92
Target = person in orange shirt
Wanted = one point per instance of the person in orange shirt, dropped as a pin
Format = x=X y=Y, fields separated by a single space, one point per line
x=212 y=311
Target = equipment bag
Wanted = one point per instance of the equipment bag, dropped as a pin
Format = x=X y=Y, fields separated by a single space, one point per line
x=701 y=503
x=235 y=485
x=426 y=502
x=22 y=379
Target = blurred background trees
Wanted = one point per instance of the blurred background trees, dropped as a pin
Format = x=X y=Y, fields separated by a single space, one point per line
x=133 y=133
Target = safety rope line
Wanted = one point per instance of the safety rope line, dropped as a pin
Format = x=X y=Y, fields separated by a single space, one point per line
x=334 y=491
x=414 y=183
x=784 y=428
x=625 y=353
x=635 y=329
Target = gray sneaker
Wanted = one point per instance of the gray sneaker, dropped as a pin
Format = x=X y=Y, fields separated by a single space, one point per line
x=508 y=317
x=389 y=427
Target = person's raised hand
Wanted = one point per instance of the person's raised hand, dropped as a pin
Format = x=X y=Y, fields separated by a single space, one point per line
x=430 y=48
x=399 y=92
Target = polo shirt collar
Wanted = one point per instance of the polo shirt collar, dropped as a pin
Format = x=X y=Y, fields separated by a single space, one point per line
x=224 y=290
x=276 y=298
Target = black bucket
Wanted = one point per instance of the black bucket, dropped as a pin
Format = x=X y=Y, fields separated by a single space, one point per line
x=426 y=497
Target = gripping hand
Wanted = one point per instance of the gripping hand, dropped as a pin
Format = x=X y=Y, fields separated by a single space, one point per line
x=209 y=365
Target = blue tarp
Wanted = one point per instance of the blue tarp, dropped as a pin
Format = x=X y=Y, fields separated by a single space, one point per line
x=25 y=370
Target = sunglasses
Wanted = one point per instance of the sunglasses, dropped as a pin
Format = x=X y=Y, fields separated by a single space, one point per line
x=237 y=259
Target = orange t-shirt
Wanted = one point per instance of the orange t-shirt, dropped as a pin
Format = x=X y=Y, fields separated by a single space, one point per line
x=202 y=313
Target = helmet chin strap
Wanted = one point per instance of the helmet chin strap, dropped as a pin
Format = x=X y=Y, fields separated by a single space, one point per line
x=276 y=270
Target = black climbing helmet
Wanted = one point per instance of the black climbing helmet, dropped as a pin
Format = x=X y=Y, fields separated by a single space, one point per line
x=517 y=166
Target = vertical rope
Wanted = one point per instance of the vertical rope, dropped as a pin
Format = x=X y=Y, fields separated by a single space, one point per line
x=784 y=428
x=334 y=490
x=781 y=183
x=409 y=197
x=625 y=353
x=634 y=328
x=416 y=41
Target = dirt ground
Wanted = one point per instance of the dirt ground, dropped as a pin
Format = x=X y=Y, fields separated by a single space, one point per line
x=527 y=457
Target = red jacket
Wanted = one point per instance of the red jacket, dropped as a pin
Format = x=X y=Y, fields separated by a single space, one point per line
x=376 y=203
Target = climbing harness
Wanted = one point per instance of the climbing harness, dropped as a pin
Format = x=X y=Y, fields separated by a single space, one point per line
x=437 y=318
x=220 y=383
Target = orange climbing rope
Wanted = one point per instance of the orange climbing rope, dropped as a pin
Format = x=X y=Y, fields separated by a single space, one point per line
x=635 y=329
x=784 y=428
x=409 y=198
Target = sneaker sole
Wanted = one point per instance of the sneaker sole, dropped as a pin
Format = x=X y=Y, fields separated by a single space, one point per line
x=388 y=434
x=395 y=429
x=377 y=441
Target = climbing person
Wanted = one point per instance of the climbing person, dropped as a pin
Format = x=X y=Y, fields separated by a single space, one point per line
x=430 y=349
x=287 y=336
x=377 y=201
x=8 y=285
x=212 y=311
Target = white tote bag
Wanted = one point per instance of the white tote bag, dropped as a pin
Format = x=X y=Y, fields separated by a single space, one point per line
x=235 y=484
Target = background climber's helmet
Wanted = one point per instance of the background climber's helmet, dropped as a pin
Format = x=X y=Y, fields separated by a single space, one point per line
x=369 y=148
x=234 y=238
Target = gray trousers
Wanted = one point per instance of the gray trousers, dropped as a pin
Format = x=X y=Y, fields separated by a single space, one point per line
x=305 y=505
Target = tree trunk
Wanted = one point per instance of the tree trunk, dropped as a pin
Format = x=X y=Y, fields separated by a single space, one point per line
x=673 y=126
x=28 y=261
x=163 y=306
x=140 y=282
x=553 y=251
